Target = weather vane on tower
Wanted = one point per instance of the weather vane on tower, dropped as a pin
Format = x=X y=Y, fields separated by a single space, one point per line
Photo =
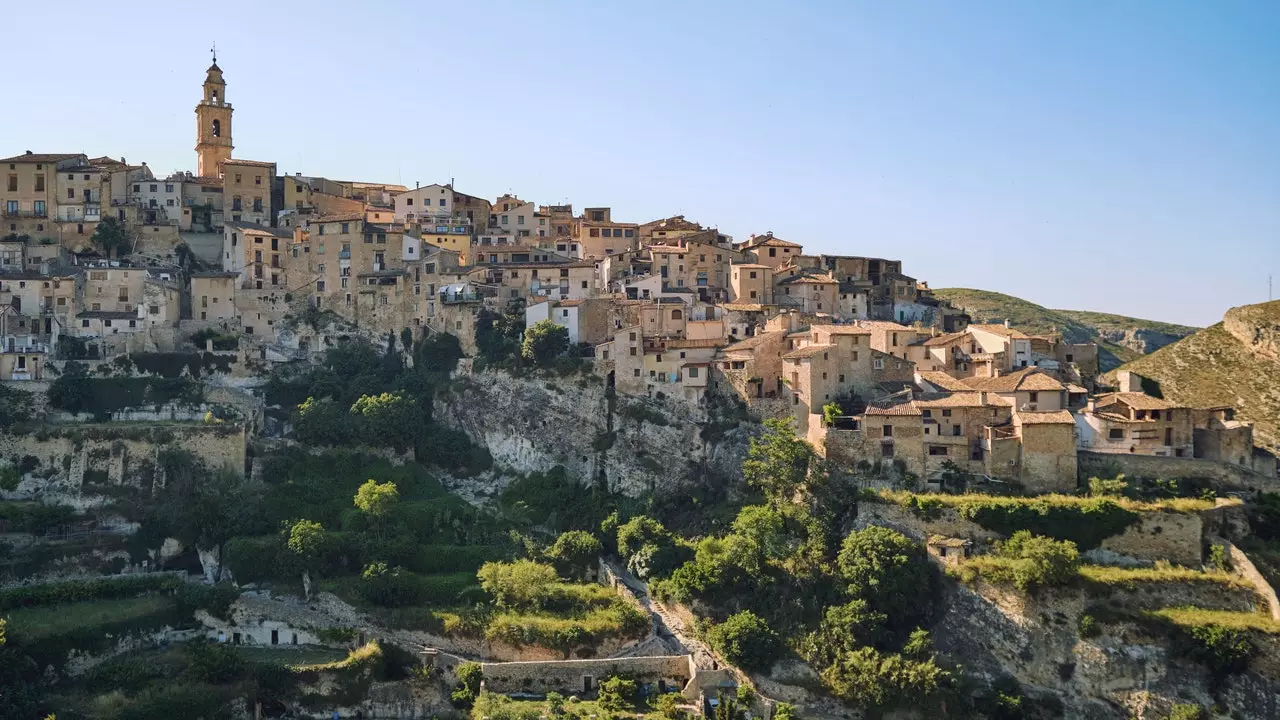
x=214 y=50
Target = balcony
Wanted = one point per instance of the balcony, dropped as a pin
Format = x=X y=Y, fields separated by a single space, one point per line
x=13 y=213
x=23 y=345
x=460 y=297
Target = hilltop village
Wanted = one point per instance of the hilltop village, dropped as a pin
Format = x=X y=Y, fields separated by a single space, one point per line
x=226 y=328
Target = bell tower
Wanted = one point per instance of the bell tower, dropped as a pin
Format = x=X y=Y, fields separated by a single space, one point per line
x=213 y=124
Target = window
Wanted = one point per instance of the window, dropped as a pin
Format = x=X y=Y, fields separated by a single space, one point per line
x=153 y=309
x=878 y=364
x=346 y=227
x=637 y=372
x=955 y=430
x=693 y=372
x=926 y=413
x=1034 y=396
x=887 y=431
x=257 y=179
x=752 y=274
x=1115 y=434
x=937 y=449
x=946 y=413
x=39 y=183
x=320 y=285
x=407 y=201
x=886 y=449
x=773 y=252
x=133 y=323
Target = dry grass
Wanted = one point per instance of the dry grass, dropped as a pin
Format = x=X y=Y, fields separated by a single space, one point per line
x=1176 y=505
x=359 y=657
x=1106 y=575
x=1197 y=617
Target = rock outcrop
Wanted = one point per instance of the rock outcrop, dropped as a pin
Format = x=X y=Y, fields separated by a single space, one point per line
x=635 y=446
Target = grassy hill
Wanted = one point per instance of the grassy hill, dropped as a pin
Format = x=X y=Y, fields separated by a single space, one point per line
x=1120 y=339
x=1232 y=363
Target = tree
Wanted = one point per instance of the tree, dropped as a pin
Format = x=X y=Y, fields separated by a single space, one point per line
x=113 y=236
x=777 y=462
x=307 y=541
x=574 y=553
x=387 y=419
x=889 y=571
x=376 y=500
x=746 y=640
x=867 y=678
x=831 y=412
x=470 y=676
x=844 y=628
x=20 y=681
x=765 y=534
x=523 y=584
x=544 y=342
x=555 y=704
x=1040 y=561
x=204 y=509
x=649 y=548
x=617 y=694
x=322 y=422
x=784 y=711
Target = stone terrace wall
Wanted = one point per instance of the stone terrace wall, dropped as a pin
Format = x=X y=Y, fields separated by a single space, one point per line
x=1150 y=466
x=1175 y=537
x=567 y=676
x=69 y=456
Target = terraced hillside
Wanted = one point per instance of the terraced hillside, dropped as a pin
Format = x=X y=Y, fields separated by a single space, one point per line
x=1120 y=339
x=1236 y=362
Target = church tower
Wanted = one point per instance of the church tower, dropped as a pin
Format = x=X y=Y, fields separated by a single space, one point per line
x=213 y=125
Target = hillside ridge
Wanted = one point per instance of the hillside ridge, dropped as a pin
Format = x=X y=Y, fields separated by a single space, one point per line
x=1235 y=362
x=1120 y=338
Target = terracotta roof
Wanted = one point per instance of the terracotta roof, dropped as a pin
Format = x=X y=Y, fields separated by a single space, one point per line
x=809 y=280
x=959 y=399
x=1026 y=380
x=841 y=329
x=1135 y=400
x=940 y=541
x=1055 y=417
x=892 y=407
x=943 y=380
x=41 y=157
x=745 y=307
x=944 y=339
x=807 y=351
x=1076 y=389
x=759 y=240
x=248 y=163
x=755 y=341
x=885 y=325
x=753 y=266
x=107 y=315
x=254 y=229
x=1002 y=330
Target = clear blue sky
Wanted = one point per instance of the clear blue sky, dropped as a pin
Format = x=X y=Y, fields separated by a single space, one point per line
x=1122 y=157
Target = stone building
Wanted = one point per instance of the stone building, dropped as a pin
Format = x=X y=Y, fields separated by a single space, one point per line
x=213 y=295
x=29 y=195
x=769 y=250
x=247 y=190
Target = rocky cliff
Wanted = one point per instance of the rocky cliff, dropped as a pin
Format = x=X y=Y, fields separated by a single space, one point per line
x=1123 y=671
x=635 y=446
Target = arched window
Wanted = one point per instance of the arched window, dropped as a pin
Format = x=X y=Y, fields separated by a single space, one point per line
x=217 y=128
x=215 y=97
x=676 y=315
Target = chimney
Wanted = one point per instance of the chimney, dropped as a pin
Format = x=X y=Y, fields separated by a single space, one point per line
x=30 y=153
x=982 y=397
x=1089 y=406
x=1006 y=322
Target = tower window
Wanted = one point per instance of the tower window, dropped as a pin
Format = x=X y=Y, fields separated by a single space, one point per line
x=217 y=128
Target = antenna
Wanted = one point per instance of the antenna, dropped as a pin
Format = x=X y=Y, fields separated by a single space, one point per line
x=214 y=50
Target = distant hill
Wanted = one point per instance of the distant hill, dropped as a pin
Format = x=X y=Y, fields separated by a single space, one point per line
x=1236 y=363
x=1120 y=339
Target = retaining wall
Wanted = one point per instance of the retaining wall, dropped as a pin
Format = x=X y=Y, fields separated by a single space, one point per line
x=580 y=676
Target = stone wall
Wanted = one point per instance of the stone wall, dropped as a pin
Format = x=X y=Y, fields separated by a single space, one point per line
x=72 y=459
x=581 y=676
x=1093 y=464
x=1175 y=537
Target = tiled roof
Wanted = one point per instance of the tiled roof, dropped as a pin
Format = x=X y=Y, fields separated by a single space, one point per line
x=755 y=341
x=892 y=407
x=744 y=307
x=106 y=315
x=682 y=344
x=1001 y=330
x=254 y=229
x=1135 y=400
x=248 y=163
x=759 y=240
x=807 y=351
x=1026 y=380
x=958 y=399
x=214 y=275
x=1076 y=389
x=753 y=266
x=1055 y=417
x=943 y=380
x=809 y=280
x=841 y=329
x=885 y=325
x=944 y=339
x=41 y=157
x=339 y=217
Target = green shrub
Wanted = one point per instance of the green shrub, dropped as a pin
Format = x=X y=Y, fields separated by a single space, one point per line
x=867 y=678
x=746 y=640
x=254 y=559
x=1088 y=626
x=892 y=574
x=1185 y=711
x=617 y=693
x=81 y=590
x=1040 y=561
x=1086 y=523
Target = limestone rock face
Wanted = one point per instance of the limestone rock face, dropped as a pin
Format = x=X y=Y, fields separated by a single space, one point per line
x=1141 y=340
x=634 y=445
